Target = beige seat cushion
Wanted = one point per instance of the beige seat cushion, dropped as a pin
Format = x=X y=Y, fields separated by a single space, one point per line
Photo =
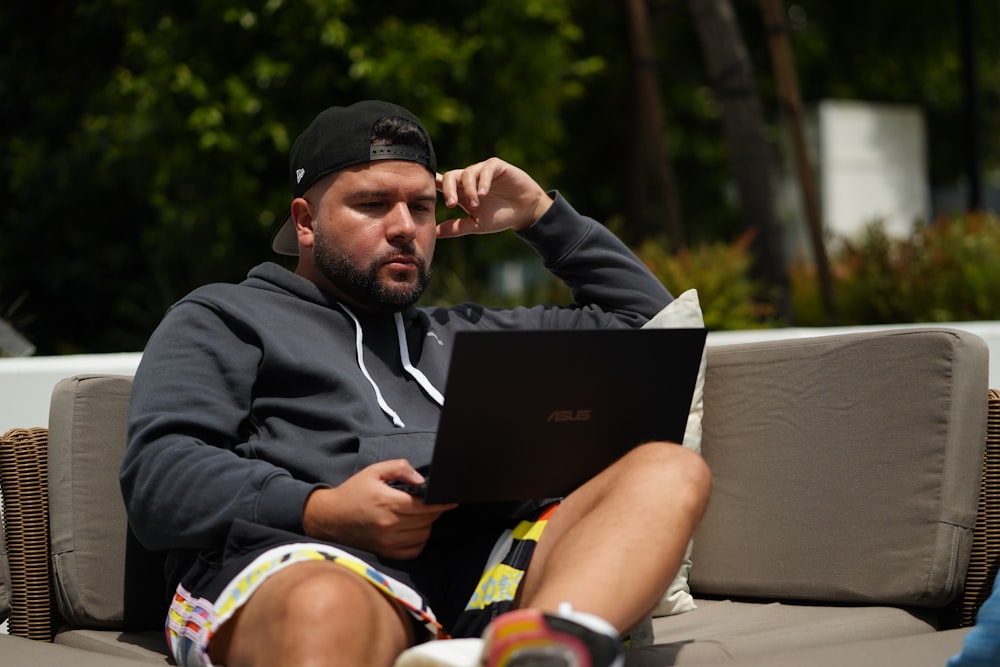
x=20 y=652
x=929 y=649
x=148 y=646
x=723 y=629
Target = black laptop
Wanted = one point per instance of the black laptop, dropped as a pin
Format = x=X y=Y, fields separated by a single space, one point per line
x=534 y=414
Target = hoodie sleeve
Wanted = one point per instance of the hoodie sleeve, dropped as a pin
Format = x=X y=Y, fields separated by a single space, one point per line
x=601 y=271
x=182 y=479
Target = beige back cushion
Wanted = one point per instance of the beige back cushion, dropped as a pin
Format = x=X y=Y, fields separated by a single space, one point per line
x=88 y=526
x=846 y=468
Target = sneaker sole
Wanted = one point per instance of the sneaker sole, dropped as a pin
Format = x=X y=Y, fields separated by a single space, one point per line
x=443 y=653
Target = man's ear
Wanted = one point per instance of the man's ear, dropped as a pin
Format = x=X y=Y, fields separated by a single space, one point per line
x=302 y=216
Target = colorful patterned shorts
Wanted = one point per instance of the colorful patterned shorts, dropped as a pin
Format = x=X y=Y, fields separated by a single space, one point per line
x=197 y=611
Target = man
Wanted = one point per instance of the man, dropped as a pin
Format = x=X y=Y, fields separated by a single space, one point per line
x=268 y=419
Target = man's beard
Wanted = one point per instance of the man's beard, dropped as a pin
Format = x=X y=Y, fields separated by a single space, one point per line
x=362 y=285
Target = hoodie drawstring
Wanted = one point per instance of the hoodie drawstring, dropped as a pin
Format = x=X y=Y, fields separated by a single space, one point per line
x=415 y=373
x=404 y=353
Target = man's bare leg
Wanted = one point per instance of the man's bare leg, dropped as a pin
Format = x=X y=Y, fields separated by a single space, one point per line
x=616 y=543
x=314 y=613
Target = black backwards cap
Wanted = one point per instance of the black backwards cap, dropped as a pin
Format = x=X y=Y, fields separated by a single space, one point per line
x=340 y=137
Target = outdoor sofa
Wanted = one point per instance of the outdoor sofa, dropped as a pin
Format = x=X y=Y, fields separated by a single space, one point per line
x=854 y=519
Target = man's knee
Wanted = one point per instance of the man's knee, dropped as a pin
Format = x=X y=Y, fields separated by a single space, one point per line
x=322 y=590
x=671 y=468
x=292 y=603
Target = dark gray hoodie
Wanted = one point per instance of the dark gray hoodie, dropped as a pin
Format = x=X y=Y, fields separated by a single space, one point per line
x=250 y=396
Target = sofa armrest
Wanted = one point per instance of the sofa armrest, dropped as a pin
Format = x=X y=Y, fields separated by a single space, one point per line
x=985 y=557
x=24 y=483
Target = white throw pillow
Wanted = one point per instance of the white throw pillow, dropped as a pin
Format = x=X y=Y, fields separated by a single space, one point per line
x=684 y=312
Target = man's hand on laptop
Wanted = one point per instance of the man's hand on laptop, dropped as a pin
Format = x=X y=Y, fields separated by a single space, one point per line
x=367 y=513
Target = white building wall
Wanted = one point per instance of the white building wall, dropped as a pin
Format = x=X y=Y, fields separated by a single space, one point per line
x=869 y=163
x=872 y=164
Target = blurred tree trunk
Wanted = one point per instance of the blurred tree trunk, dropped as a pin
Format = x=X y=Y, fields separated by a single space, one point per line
x=731 y=75
x=791 y=107
x=970 y=107
x=647 y=137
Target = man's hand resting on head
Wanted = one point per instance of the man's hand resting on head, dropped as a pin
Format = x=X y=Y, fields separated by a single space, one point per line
x=495 y=196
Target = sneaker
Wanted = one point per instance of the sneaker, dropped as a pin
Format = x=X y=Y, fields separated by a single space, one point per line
x=526 y=638
x=531 y=638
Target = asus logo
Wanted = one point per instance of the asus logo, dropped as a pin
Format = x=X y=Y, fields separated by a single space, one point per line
x=568 y=416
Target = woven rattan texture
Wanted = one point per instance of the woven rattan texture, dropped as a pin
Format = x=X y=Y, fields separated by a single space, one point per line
x=24 y=483
x=985 y=556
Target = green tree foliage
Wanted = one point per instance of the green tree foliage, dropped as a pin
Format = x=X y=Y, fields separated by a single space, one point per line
x=605 y=170
x=721 y=272
x=145 y=146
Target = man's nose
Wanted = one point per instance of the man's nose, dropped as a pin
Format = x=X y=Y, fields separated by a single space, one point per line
x=400 y=223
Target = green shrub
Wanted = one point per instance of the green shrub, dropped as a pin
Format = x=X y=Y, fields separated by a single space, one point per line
x=721 y=274
x=945 y=271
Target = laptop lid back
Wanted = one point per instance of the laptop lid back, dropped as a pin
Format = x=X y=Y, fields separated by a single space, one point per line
x=534 y=414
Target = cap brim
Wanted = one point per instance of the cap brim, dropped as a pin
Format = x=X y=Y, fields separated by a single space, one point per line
x=285 y=241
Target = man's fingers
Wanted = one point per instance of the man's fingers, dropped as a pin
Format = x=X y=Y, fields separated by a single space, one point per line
x=450 y=229
x=469 y=185
x=470 y=188
x=477 y=180
x=400 y=469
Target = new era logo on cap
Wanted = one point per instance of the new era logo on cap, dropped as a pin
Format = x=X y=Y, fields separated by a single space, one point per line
x=299 y=173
